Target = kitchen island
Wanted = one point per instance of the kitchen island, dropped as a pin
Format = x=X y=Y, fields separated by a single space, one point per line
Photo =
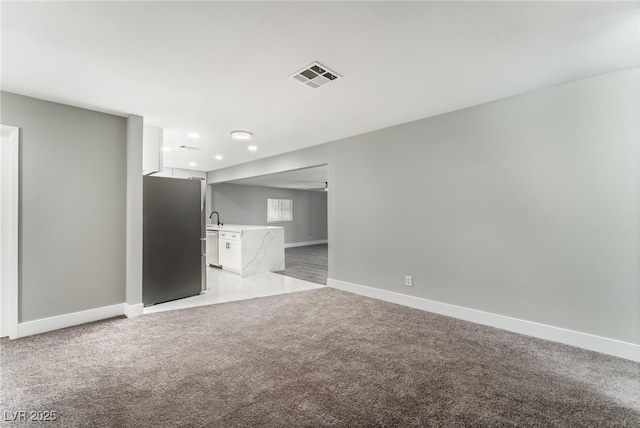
x=248 y=250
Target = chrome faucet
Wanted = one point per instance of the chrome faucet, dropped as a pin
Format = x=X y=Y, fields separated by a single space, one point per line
x=217 y=217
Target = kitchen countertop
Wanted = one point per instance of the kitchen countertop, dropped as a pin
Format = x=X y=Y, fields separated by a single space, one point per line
x=239 y=227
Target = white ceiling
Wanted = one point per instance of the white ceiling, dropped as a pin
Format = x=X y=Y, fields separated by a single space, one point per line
x=313 y=178
x=213 y=67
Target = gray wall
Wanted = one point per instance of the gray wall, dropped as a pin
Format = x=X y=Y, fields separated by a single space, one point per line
x=240 y=204
x=525 y=207
x=72 y=207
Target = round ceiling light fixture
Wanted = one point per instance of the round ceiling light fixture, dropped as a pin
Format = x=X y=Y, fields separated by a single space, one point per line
x=241 y=135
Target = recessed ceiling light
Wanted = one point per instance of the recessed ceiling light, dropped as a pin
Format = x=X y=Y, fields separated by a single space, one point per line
x=219 y=157
x=166 y=149
x=193 y=135
x=241 y=135
x=192 y=164
x=252 y=148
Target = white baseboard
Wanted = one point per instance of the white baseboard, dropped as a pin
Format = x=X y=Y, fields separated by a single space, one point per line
x=305 y=243
x=131 y=311
x=629 y=351
x=44 y=325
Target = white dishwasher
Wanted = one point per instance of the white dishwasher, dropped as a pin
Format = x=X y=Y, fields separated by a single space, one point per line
x=212 y=248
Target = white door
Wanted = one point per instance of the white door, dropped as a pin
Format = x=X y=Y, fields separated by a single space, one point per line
x=9 y=231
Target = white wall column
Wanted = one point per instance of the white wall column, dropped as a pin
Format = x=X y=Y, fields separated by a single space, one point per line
x=9 y=178
x=135 y=126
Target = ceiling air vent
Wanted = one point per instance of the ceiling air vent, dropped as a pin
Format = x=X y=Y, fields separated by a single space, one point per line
x=315 y=75
x=190 y=147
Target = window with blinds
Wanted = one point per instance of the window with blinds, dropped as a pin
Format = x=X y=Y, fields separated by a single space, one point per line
x=279 y=210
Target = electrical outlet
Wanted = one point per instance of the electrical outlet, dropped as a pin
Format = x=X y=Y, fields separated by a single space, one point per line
x=309 y=237
x=408 y=281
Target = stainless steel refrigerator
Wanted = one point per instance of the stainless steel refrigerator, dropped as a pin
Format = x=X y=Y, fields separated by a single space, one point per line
x=173 y=239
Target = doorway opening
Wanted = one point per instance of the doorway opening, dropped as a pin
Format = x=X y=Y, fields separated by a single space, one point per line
x=306 y=193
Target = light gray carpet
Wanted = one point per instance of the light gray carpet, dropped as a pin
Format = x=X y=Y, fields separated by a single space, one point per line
x=308 y=359
x=310 y=262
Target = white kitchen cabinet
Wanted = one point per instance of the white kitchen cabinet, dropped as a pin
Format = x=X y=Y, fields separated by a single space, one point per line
x=179 y=173
x=152 y=140
x=230 y=251
x=188 y=173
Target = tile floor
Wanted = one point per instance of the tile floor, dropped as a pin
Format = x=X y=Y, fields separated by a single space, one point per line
x=226 y=287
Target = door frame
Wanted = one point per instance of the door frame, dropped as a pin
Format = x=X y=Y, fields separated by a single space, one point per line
x=9 y=222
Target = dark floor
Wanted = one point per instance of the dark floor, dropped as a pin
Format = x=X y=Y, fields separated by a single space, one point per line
x=309 y=263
